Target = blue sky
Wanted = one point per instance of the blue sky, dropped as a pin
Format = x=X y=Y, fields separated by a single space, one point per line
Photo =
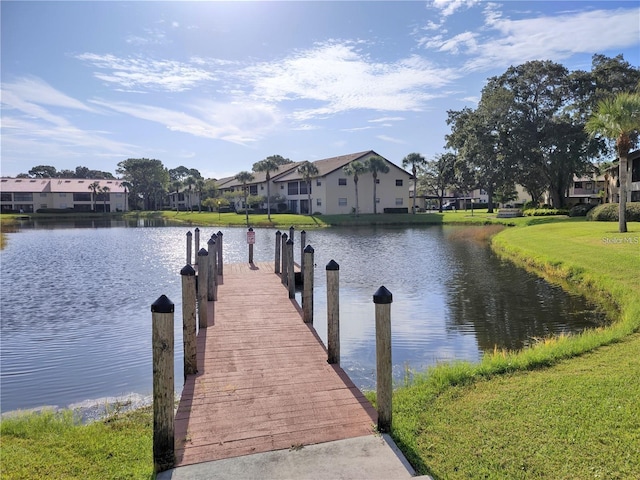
x=218 y=86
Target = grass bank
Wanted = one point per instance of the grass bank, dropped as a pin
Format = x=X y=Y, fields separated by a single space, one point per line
x=285 y=220
x=509 y=416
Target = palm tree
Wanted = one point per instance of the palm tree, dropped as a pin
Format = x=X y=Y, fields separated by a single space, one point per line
x=244 y=178
x=415 y=160
x=308 y=170
x=94 y=187
x=618 y=118
x=267 y=165
x=104 y=191
x=127 y=188
x=355 y=168
x=177 y=185
x=200 y=188
x=376 y=164
x=190 y=182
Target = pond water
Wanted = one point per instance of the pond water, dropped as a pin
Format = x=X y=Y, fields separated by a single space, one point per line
x=76 y=320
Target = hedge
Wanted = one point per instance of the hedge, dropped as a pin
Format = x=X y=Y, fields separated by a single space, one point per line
x=608 y=212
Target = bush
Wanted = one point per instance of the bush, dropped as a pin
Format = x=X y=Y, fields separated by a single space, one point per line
x=544 y=212
x=530 y=205
x=608 y=212
x=581 y=209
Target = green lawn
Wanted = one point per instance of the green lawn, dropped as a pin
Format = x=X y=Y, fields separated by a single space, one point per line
x=568 y=407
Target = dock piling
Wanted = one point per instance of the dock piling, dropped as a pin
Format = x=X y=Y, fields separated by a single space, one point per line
x=162 y=311
x=189 y=319
x=276 y=265
x=203 y=269
x=307 y=288
x=291 y=275
x=333 y=312
x=189 y=241
x=384 y=387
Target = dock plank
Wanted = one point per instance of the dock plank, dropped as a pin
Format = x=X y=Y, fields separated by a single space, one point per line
x=263 y=380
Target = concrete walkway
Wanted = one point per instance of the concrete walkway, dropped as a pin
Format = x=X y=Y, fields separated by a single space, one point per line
x=372 y=457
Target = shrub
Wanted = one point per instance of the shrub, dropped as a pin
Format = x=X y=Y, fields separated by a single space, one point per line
x=543 y=212
x=608 y=212
x=581 y=209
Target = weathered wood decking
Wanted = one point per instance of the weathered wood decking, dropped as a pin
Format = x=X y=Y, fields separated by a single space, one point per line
x=263 y=380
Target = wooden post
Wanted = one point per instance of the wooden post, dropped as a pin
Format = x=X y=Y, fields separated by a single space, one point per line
x=211 y=286
x=214 y=262
x=303 y=240
x=196 y=238
x=277 y=260
x=307 y=285
x=163 y=384
x=203 y=273
x=284 y=275
x=384 y=386
x=291 y=275
x=291 y=230
x=189 y=320
x=189 y=239
x=220 y=261
x=250 y=241
x=333 y=312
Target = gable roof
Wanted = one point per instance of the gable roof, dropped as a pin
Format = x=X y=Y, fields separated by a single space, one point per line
x=259 y=177
x=62 y=185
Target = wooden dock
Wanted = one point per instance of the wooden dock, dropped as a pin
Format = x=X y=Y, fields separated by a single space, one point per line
x=263 y=380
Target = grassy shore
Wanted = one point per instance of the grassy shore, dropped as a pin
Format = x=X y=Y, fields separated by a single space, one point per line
x=569 y=407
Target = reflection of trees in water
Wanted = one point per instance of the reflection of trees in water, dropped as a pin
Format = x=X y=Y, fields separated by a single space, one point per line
x=505 y=306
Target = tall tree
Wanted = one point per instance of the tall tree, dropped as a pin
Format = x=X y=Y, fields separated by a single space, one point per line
x=376 y=164
x=245 y=177
x=618 y=119
x=200 y=189
x=439 y=175
x=94 y=187
x=415 y=161
x=268 y=165
x=148 y=178
x=308 y=170
x=43 y=171
x=104 y=191
x=190 y=182
x=355 y=169
x=177 y=185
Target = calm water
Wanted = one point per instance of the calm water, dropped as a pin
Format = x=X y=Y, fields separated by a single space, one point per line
x=76 y=320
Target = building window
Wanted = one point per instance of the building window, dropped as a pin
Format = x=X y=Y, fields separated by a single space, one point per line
x=318 y=183
x=635 y=170
x=261 y=187
x=377 y=180
x=303 y=188
x=253 y=190
x=292 y=188
x=398 y=182
x=377 y=200
x=23 y=197
x=5 y=197
x=318 y=202
x=589 y=186
x=577 y=185
x=342 y=202
x=399 y=201
x=82 y=197
x=342 y=181
x=281 y=187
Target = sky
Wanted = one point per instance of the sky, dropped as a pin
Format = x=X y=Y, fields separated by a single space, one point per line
x=218 y=86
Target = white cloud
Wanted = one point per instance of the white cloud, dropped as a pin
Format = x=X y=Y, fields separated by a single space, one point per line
x=142 y=73
x=386 y=119
x=339 y=78
x=233 y=122
x=503 y=42
x=448 y=7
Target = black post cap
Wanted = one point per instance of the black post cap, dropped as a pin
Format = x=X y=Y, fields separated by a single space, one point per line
x=202 y=252
x=333 y=265
x=308 y=249
x=289 y=242
x=303 y=232
x=278 y=233
x=285 y=236
x=162 y=305
x=197 y=229
x=382 y=296
x=187 y=270
x=251 y=229
x=219 y=233
x=211 y=242
x=189 y=234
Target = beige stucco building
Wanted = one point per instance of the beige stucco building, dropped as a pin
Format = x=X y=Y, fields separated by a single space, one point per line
x=28 y=195
x=332 y=191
